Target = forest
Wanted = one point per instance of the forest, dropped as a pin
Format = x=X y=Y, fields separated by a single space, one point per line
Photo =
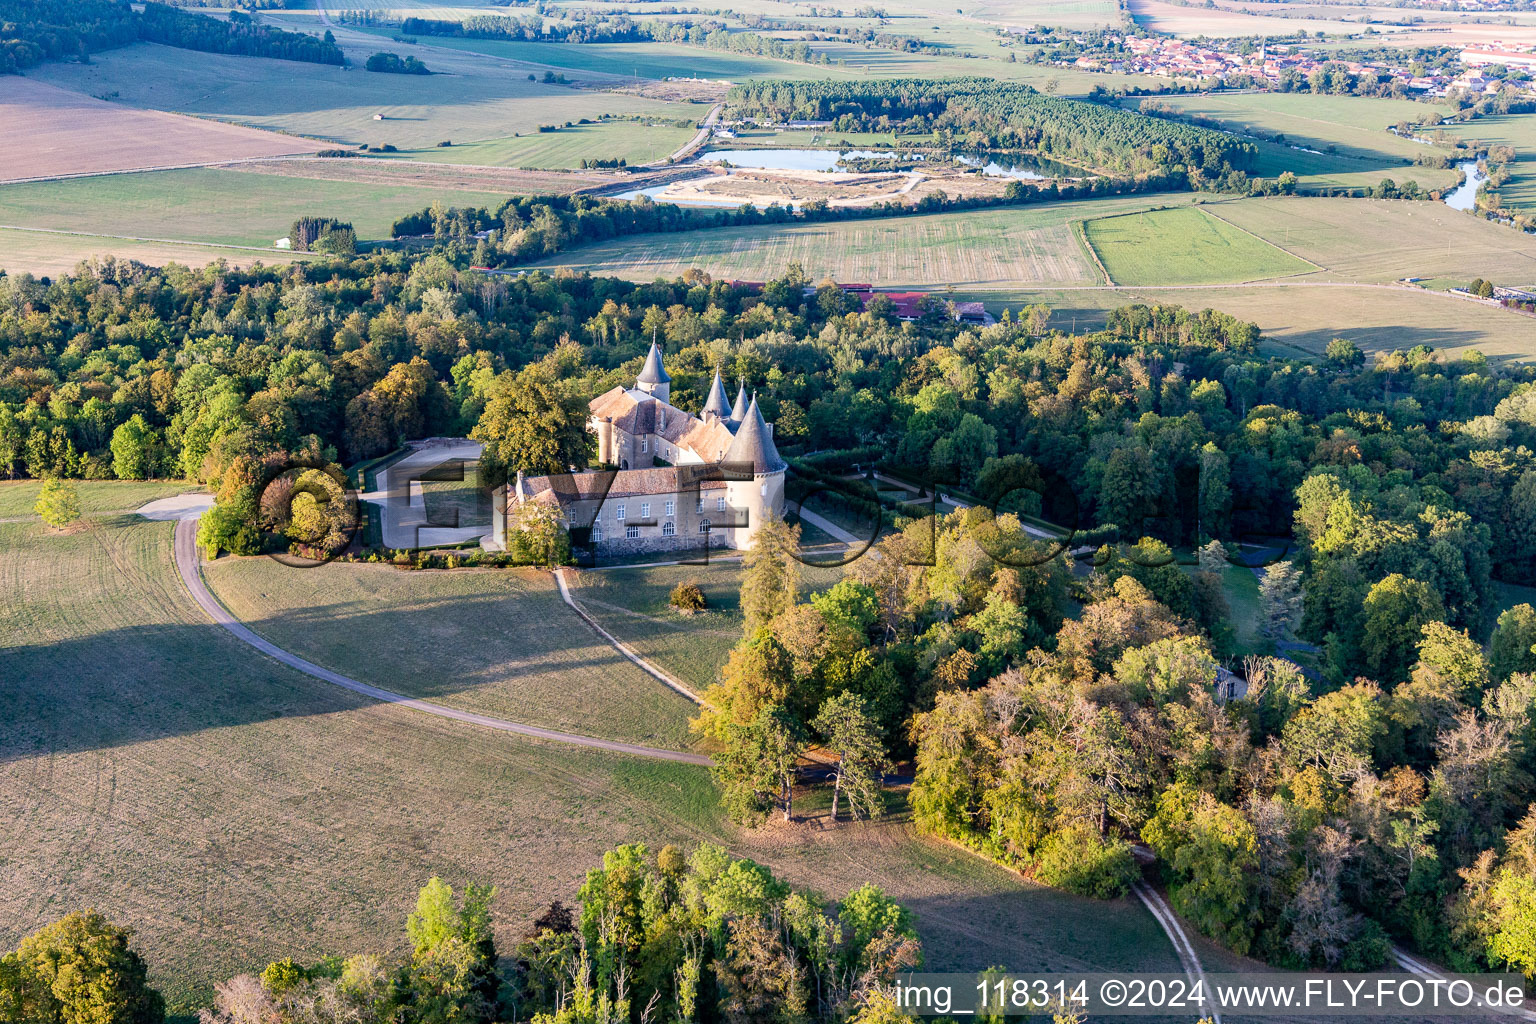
x=693 y=937
x=34 y=31
x=1364 y=786
x=987 y=114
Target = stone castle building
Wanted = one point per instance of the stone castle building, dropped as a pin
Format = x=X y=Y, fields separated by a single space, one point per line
x=674 y=481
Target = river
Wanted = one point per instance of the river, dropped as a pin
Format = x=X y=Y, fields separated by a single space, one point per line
x=1464 y=196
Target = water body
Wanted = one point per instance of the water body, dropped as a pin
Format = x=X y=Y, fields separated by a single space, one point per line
x=1465 y=194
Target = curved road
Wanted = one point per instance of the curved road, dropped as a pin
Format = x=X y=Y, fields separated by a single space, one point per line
x=188 y=565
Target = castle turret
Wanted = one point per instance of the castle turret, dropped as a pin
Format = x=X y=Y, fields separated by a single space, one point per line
x=654 y=379
x=718 y=403
x=763 y=495
x=739 y=410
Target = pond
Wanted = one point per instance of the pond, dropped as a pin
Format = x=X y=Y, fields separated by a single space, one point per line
x=1464 y=196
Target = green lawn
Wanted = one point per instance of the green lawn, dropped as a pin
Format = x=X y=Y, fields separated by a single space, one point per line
x=1185 y=246
x=234 y=811
x=213 y=205
x=497 y=641
x=635 y=143
x=17 y=497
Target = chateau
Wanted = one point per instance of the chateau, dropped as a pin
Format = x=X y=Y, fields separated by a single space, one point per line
x=675 y=481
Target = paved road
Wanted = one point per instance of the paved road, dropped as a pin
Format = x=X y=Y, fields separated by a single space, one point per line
x=698 y=140
x=187 y=563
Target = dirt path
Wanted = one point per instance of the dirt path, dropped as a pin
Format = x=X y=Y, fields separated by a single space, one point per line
x=619 y=646
x=698 y=139
x=188 y=565
x=1159 y=909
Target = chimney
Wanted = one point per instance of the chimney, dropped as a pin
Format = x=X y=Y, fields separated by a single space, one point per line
x=520 y=493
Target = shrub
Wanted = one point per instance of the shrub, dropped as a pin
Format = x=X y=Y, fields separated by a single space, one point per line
x=227 y=528
x=687 y=598
x=444 y=144
x=58 y=503
x=1079 y=860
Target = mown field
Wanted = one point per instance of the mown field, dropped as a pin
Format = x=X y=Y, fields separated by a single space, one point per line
x=635 y=143
x=234 y=811
x=498 y=642
x=1383 y=240
x=981 y=249
x=473 y=99
x=1185 y=246
x=206 y=204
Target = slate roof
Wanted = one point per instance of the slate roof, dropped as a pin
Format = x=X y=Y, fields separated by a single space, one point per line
x=653 y=372
x=718 y=402
x=754 y=444
x=739 y=410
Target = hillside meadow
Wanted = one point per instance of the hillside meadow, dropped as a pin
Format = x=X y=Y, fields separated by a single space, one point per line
x=234 y=811
x=46 y=253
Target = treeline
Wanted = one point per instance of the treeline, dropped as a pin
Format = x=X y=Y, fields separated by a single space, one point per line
x=620 y=29
x=529 y=228
x=33 y=31
x=392 y=63
x=987 y=114
x=696 y=937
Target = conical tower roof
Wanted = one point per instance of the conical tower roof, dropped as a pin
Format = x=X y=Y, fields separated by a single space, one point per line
x=754 y=444
x=739 y=410
x=718 y=402
x=653 y=372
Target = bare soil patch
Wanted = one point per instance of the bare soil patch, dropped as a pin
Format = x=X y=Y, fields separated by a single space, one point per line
x=71 y=133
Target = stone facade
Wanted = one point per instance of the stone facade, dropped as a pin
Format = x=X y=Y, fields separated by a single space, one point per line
x=674 y=482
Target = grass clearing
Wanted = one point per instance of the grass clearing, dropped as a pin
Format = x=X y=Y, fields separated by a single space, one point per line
x=1519 y=131
x=500 y=642
x=154 y=767
x=1185 y=246
x=219 y=206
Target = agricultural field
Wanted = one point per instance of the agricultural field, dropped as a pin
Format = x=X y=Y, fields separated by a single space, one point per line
x=473 y=99
x=1299 y=319
x=46 y=253
x=157 y=769
x=635 y=143
x=228 y=206
x=972 y=250
x=1330 y=141
x=518 y=652
x=1381 y=240
x=68 y=133
x=1185 y=246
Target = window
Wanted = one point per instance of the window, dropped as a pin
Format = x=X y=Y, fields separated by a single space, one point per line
x=632 y=532
x=671 y=509
x=619 y=515
x=668 y=529
x=597 y=532
x=645 y=443
x=719 y=504
x=703 y=525
x=645 y=510
x=700 y=506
